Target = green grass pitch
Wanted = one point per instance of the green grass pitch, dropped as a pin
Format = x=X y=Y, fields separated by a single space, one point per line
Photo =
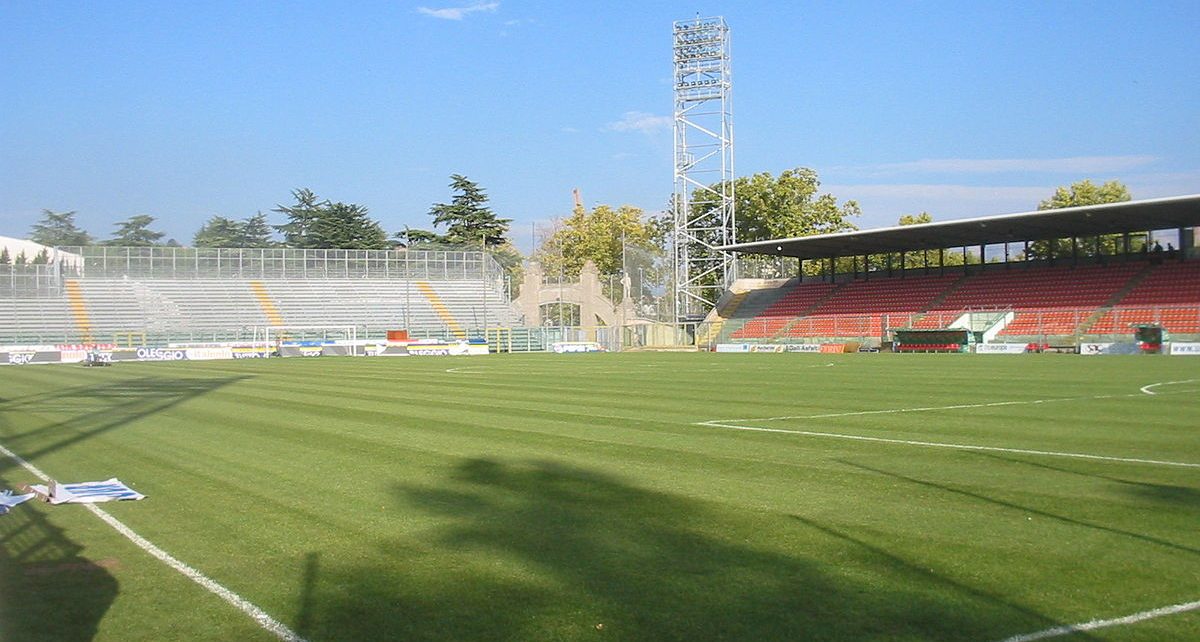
x=580 y=497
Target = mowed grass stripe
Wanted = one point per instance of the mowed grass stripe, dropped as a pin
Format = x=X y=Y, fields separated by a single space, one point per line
x=358 y=500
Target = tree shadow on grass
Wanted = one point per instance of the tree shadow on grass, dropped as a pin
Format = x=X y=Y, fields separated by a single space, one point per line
x=94 y=410
x=48 y=590
x=538 y=550
x=1029 y=509
x=1182 y=496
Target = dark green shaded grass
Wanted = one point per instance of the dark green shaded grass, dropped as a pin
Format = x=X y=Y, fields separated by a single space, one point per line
x=534 y=497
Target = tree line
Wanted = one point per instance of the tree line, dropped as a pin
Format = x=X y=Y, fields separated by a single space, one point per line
x=311 y=223
x=788 y=205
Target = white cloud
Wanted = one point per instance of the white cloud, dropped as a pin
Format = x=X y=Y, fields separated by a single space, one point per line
x=1162 y=184
x=883 y=204
x=1070 y=165
x=639 y=121
x=569 y=130
x=458 y=13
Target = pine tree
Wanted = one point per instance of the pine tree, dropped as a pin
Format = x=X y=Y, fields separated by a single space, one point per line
x=256 y=232
x=57 y=229
x=135 y=232
x=301 y=217
x=219 y=231
x=467 y=218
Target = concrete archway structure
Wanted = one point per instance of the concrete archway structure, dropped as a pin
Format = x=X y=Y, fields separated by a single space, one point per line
x=595 y=309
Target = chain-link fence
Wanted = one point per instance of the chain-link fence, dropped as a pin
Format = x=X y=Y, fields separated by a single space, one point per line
x=276 y=263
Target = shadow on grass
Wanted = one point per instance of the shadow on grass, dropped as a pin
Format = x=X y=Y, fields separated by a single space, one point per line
x=94 y=410
x=48 y=590
x=537 y=550
x=1169 y=493
x=1029 y=509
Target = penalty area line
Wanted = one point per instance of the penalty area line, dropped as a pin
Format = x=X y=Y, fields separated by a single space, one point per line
x=261 y=617
x=1092 y=625
x=952 y=446
x=1149 y=389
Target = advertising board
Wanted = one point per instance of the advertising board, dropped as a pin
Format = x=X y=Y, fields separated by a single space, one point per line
x=1185 y=348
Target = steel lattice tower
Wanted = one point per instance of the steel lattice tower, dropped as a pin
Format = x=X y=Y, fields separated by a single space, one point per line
x=703 y=204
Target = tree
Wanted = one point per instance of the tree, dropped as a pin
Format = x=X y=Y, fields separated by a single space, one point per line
x=58 y=229
x=600 y=236
x=469 y=221
x=300 y=217
x=315 y=223
x=916 y=219
x=926 y=258
x=911 y=260
x=788 y=206
x=21 y=259
x=1086 y=192
x=219 y=231
x=618 y=241
x=42 y=258
x=5 y=259
x=408 y=237
x=135 y=232
x=1081 y=193
x=256 y=232
x=467 y=218
x=346 y=226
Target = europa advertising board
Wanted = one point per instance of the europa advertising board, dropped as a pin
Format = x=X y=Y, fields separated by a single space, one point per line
x=733 y=347
x=1185 y=348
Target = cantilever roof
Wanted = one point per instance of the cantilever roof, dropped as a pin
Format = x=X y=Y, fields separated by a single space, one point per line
x=1088 y=220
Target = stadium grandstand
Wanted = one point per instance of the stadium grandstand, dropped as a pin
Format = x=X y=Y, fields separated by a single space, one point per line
x=854 y=287
x=1077 y=293
x=158 y=295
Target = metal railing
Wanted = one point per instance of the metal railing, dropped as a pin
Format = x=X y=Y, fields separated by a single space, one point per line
x=30 y=280
x=275 y=263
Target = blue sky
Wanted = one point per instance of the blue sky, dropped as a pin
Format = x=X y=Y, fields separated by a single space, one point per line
x=186 y=110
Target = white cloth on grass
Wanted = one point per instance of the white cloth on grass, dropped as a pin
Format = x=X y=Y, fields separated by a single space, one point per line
x=8 y=500
x=87 y=492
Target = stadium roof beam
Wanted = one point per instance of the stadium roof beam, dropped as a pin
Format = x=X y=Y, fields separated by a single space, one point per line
x=1090 y=220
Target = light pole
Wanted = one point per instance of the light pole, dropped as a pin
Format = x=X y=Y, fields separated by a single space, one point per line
x=486 y=284
x=407 y=281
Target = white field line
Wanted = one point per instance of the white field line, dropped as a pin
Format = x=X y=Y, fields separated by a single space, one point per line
x=937 y=444
x=892 y=411
x=1149 y=390
x=584 y=370
x=737 y=424
x=1101 y=624
x=260 y=616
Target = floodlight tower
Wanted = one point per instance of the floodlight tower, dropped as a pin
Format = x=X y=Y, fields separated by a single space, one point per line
x=702 y=204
